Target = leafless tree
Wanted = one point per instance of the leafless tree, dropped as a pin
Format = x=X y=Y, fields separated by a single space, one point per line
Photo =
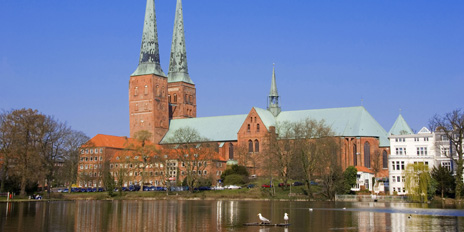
x=451 y=126
x=192 y=153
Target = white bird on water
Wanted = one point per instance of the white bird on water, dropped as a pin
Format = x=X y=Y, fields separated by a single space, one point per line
x=310 y=209
x=286 y=218
x=263 y=219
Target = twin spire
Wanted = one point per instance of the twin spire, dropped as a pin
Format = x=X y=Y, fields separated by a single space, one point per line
x=149 y=62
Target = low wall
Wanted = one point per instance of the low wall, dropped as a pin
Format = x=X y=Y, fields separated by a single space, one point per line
x=371 y=198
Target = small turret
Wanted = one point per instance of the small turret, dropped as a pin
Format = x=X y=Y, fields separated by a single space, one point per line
x=273 y=102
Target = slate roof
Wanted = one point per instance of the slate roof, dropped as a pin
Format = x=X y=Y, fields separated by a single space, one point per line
x=347 y=121
x=400 y=127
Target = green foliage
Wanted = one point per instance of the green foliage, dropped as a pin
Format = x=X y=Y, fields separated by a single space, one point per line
x=204 y=182
x=235 y=179
x=235 y=169
x=443 y=181
x=418 y=181
x=349 y=178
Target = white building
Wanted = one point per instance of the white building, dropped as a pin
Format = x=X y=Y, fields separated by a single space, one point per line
x=426 y=147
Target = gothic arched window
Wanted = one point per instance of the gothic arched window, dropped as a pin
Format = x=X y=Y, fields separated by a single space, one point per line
x=355 y=156
x=256 y=146
x=250 y=146
x=367 y=155
x=384 y=159
x=231 y=151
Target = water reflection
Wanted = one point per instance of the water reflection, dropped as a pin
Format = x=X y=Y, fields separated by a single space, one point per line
x=223 y=216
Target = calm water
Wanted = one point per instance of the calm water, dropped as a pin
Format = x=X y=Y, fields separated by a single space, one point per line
x=146 y=215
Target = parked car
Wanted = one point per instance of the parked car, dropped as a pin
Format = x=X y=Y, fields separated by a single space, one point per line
x=297 y=183
x=251 y=186
x=233 y=187
x=65 y=190
x=217 y=188
x=283 y=185
x=266 y=186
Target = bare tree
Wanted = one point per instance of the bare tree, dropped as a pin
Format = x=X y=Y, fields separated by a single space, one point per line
x=192 y=152
x=73 y=141
x=451 y=126
x=145 y=151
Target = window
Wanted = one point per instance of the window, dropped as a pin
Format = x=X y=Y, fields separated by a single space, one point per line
x=393 y=179
x=82 y=151
x=398 y=179
x=82 y=166
x=101 y=150
x=101 y=158
x=355 y=156
x=248 y=128
x=91 y=158
x=446 y=165
x=86 y=166
x=402 y=165
x=421 y=150
x=403 y=179
x=250 y=146
x=136 y=91
x=231 y=151
x=145 y=91
x=157 y=90
x=398 y=165
x=175 y=98
x=416 y=139
x=257 y=127
x=186 y=99
x=205 y=172
x=367 y=155
x=169 y=98
x=426 y=139
x=256 y=146
x=393 y=165
x=384 y=159
x=91 y=151
x=96 y=150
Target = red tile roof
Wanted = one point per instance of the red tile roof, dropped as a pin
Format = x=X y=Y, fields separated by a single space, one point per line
x=364 y=169
x=110 y=141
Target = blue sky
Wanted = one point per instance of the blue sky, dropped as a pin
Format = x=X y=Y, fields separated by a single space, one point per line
x=73 y=59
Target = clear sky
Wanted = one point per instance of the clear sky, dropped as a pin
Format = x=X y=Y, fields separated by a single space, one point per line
x=73 y=59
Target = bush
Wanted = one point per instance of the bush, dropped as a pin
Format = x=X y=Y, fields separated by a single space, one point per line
x=235 y=179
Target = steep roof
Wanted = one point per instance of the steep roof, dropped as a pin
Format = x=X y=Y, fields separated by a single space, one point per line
x=149 y=62
x=221 y=128
x=348 y=121
x=178 y=69
x=109 y=141
x=400 y=127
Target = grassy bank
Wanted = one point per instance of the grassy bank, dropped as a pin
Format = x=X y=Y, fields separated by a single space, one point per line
x=257 y=193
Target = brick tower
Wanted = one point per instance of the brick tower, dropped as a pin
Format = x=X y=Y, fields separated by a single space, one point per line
x=181 y=89
x=148 y=85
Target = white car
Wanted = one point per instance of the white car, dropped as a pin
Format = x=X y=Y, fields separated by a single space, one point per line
x=218 y=188
x=233 y=187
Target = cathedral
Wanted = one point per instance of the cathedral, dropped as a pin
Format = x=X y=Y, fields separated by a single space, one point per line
x=163 y=104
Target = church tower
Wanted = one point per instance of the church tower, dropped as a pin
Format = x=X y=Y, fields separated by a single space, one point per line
x=181 y=89
x=148 y=85
x=273 y=102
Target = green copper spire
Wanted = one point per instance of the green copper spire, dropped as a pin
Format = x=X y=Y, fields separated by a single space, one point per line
x=400 y=127
x=178 y=70
x=273 y=103
x=149 y=62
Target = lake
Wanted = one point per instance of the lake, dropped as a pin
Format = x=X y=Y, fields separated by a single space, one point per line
x=224 y=215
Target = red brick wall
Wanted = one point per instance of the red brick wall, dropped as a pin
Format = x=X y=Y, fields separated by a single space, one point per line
x=148 y=105
x=185 y=105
